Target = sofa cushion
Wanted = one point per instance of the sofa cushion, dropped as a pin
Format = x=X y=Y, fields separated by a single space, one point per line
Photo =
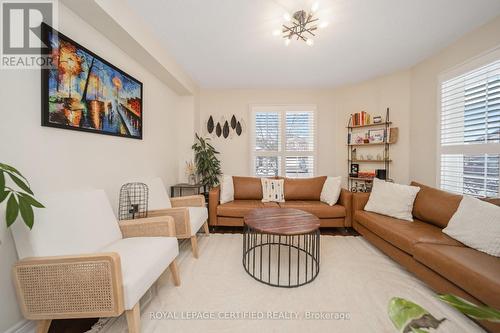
x=239 y=208
x=304 y=188
x=317 y=208
x=475 y=272
x=435 y=206
x=403 y=234
x=143 y=260
x=247 y=188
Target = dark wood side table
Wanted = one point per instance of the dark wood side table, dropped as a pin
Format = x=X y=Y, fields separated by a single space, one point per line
x=198 y=188
x=281 y=246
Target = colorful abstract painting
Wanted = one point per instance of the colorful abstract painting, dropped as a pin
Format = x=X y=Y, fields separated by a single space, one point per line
x=82 y=91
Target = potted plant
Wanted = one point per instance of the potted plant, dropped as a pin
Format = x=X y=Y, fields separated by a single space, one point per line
x=207 y=164
x=18 y=195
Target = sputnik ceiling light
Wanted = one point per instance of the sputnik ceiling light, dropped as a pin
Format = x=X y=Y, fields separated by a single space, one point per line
x=302 y=25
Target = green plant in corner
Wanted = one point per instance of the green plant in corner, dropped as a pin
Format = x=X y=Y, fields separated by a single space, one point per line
x=207 y=164
x=19 y=200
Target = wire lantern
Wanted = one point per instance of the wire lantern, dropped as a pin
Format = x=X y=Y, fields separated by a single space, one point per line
x=133 y=201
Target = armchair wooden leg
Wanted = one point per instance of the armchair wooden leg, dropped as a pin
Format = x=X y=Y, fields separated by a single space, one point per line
x=175 y=273
x=42 y=326
x=205 y=227
x=134 y=319
x=194 y=246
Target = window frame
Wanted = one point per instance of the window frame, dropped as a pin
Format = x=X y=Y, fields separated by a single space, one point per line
x=472 y=64
x=282 y=153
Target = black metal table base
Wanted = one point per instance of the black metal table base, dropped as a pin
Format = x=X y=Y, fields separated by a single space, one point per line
x=281 y=260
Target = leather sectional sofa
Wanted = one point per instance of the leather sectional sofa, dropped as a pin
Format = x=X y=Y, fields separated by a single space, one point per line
x=302 y=194
x=445 y=264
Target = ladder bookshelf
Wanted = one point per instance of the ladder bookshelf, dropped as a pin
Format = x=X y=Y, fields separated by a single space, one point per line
x=363 y=183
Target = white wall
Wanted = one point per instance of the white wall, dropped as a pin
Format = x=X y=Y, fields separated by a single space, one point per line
x=55 y=159
x=424 y=99
x=333 y=109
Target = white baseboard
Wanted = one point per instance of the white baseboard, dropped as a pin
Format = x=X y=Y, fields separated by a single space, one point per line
x=24 y=326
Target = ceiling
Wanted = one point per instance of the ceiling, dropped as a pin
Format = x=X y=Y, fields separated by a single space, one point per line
x=229 y=43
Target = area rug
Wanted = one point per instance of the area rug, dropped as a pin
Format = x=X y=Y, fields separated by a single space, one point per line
x=350 y=294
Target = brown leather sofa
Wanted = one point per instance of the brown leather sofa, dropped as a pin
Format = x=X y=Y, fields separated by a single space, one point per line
x=445 y=264
x=301 y=193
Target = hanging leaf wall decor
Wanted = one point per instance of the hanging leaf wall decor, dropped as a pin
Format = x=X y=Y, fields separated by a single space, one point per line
x=218 y=130
x=225 y=130
x=210 y=125
x=233 y=122
x=238 y=128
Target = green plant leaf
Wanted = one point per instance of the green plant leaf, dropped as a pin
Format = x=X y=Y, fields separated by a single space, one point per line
x=32 y=201
x=21 y=184
x=11 y=169
x=472 y=310
x=26 y=212
x=3 y=194
x=12 y=210
x=2 y=181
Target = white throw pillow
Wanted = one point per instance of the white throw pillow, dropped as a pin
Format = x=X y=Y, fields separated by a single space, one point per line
x=226 y=189
x=391 y=199
x=273 y=190
x=331 y=190
x=476 y=223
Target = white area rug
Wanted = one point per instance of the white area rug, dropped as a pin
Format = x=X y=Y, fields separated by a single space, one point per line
x=355 y=278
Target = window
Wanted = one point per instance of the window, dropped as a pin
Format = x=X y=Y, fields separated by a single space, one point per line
x=470 y=131
x=283 y=141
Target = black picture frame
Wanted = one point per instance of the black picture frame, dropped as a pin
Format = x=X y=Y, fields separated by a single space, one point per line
x=138 y=121
x=354 y=169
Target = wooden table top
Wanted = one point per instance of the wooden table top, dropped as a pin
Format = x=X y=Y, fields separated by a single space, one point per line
x=281 y=221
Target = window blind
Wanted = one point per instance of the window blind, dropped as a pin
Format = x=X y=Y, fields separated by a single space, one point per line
x=284 y=142
x=470 y=132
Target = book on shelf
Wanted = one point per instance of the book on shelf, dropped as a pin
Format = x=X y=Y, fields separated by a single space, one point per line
x=360 y=119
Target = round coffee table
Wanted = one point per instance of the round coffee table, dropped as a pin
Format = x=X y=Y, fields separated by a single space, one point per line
x=281 y=246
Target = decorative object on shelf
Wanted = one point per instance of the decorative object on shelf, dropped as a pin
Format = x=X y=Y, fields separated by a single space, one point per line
x=365 y=132
x=354 y=170
x=191 y=172
x=381 y=174
x=377 y=119
x=207 y=163
x=133 y=201
x=84 y=92
x=302 y=25
x=210 y=125
x=393 y=135
x=376 y=135
x=225 y=130
x=19 y=200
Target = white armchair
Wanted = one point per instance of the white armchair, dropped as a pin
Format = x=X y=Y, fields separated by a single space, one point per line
x=79 y=262
x=189 y=213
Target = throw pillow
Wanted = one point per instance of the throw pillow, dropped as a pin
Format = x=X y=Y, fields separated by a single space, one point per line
x=226 y=189
x=272 y=190
x=476 y=223
x=391 y=199
x=331 y=190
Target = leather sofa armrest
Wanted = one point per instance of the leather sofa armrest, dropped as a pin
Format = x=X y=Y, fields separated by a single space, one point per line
x=359 y=201
x=213 y=202
x=89 y=285
x=345 y=200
